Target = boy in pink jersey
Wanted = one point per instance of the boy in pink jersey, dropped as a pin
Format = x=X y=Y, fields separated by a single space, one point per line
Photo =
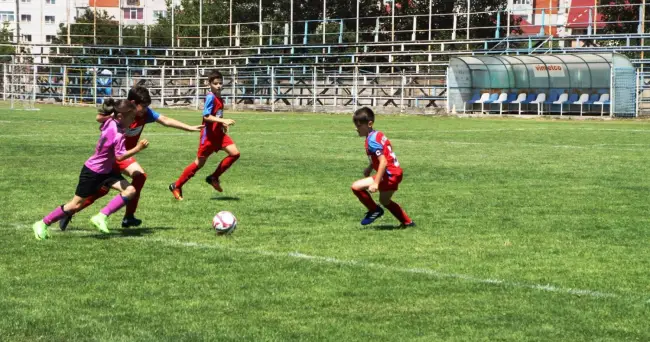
x=388 y=172
x=98 y=170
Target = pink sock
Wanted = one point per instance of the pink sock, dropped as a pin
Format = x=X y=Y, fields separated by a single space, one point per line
x=54 y=216
x=114 y=205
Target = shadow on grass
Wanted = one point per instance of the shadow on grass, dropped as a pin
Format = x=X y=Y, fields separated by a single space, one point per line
x=225 y=198
x=128 y=232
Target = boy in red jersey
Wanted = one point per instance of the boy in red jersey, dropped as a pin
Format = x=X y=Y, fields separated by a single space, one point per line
x=213 y=138
x=388 y=172
x=141 y=98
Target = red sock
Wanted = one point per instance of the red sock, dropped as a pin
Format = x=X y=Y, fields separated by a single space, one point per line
x=398 y=212
x=138 y=183
x=99 y=194
x=366 y=199
x=225 y=164
x=188 y=173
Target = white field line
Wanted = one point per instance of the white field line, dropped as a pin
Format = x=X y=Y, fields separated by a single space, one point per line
x=360 y=264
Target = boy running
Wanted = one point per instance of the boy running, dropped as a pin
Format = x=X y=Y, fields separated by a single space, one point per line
x=213 y=138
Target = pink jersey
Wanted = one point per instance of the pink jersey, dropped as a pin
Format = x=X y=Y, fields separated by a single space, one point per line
x=109 y=146
x=376 y=145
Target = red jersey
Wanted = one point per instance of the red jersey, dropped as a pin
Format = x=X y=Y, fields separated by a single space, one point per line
x=132 y=134
x=377 y=144
x=214 y=107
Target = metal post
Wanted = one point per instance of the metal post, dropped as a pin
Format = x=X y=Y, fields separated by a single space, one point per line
x=392 y=21
x=313 y=84
x=324 y=19
x=162 y=87
x=357 y=36
x=146 y=29
x=291 y=23
x=356 y=87
x=642 y=17
x=34 y=84
x=595 y=16
x=95 y=22
x=508 y=28
x=453 y=31
x=67 y=18
x=119 y=34
x=201 y=26
x=196 y=88
x=431 y=17
x=468 y=17
x=260 y=23
x=17 y=20
x=173 y=4
x=401 y=96
x=234 y=88
x=272 y=89
x=94 y=85
x=65 y=84
x=4 y=81
x=415 y=28
x=497 y=33
x=230 y=26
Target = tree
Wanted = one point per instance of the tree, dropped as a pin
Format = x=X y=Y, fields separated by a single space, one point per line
x=6 y=37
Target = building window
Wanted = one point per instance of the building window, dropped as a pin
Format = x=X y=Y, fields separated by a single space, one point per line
x=49 y=19
x=50 y=2
x=49 y=38
x=25 y=0
x=27 y=38
x=133 y=2
x=26 y=17
x=133 y=13
x=521 y=2
x=159 y=14
x=7 y=16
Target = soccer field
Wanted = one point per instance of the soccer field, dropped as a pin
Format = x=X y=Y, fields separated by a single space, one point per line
x=527 y=230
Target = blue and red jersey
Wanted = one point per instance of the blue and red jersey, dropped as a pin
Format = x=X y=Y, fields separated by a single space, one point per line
x=377 y=144
x=213 y=106
x=132 y=134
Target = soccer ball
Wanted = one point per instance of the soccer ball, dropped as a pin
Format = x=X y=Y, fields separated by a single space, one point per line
x=224 y=222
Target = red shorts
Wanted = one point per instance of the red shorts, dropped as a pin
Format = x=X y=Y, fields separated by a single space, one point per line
x=120 y=166
x=389 y=183
x=210 y=146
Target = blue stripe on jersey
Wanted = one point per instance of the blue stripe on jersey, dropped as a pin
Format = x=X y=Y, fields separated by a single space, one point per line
x=151 y=116
x=373 y=144
x=209 y=105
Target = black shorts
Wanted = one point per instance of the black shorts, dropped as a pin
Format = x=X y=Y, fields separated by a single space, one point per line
x=90 y=181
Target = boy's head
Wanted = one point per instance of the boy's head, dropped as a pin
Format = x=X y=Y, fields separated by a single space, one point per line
x=140 y=97
x=123 y=111
x=363 y=119
x=215 y=80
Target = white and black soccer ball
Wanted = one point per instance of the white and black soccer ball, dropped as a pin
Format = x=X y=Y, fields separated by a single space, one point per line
x=224 y=222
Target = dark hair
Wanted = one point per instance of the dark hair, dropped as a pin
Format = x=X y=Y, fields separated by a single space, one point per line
x=213 y=75
x=114 y=107
x=363 y=115
x=139 y=95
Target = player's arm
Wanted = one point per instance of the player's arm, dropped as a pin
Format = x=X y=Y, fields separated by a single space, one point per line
x=381 y=169
x=368 y=170
x=101 y=118
x=142 y=144
x=173 y=123
x=225 y=122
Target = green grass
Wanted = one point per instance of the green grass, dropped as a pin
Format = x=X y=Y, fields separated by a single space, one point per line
x=527 y=230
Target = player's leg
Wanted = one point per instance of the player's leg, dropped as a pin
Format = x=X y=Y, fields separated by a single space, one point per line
x=360 y=189
x=233 y=154
x=40 y=227
x=177 y=187
x=103 y=191
x=385 y=198
x=127 y=193
x=138 y=178
x=204 y=151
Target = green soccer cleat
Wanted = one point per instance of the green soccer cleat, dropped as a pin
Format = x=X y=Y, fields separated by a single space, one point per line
x=40 y=230
x=99 y=221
